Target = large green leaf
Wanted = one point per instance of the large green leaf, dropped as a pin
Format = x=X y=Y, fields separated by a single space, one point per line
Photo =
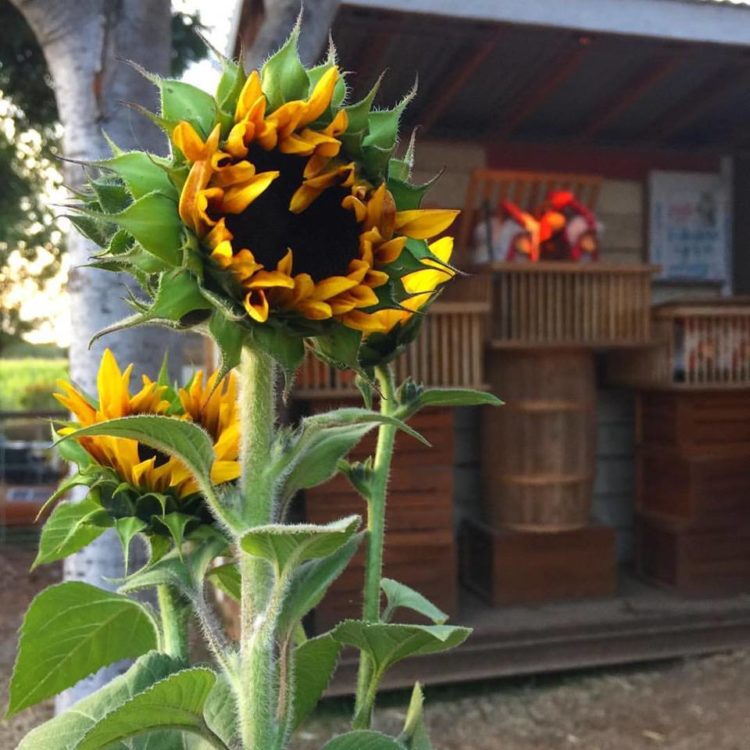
x=220 y=712
x=311 y=581
x=175 y=437
x=400 y=595
x=314 y=664
x=351 y=415
x=388 y=644
x=177 y=701
x=288 y=545
x=70 y=528
x=65 y=731
x=363 y=739
x=69 y=632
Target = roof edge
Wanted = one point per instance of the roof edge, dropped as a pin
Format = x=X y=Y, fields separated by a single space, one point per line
x=679 y=20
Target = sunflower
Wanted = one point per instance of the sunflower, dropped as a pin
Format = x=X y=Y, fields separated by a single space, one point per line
x=282 y=217
x=139 y=467
x=282 y=207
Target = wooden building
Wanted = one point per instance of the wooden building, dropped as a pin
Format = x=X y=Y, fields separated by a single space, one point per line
x=597 y=95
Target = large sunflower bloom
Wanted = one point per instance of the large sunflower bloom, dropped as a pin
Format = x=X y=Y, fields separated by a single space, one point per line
x=280 y=206
x=138 y=466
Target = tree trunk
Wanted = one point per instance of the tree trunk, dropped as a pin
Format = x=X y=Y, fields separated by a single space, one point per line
x=85 y=44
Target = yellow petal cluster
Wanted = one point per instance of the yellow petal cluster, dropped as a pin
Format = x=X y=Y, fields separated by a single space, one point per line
x=211 y=406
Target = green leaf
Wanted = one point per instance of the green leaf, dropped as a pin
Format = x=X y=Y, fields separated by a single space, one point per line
x=181 y=101
x=388 y=644
x=176 y=523
x=289 y=545
x=351 y=415
x=177 y=701
x=451 y=397
x=68 y=530
x=79 y=479
x=154 y=222
x=283 y=77
x=69 y=632
x=400 y=595
x=339 y=347
x=230 y=85
x=363 y=739
x=227 y=579
x=415 y=735
x=141 y=172
x=178 y=295
x=310 y=583
x=126 y=528
x=175 y=437
x=184 y=569
x=319 y=462
x=229 y=338
x=314 y=661
x=220 y=712
x=287 y=350
x=65 y=731
x=111 y=196
x=359 y=112
x=72 y=452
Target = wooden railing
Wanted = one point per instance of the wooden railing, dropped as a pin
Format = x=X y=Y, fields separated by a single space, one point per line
x=448 y=352
x=697 y=345
x=568 y=304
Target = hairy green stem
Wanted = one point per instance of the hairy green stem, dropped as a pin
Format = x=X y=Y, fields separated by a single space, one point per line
x=258 y=684
x=376 y=539
x=175 y=615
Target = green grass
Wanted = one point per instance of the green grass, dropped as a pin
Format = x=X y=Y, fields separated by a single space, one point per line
x=27 y=384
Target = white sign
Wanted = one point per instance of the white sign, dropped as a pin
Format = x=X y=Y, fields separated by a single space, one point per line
x=689 y=225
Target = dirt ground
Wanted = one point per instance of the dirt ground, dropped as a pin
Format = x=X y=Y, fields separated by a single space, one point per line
x=695 y=704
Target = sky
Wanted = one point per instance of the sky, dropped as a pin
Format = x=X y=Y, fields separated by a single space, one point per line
x=218 y=16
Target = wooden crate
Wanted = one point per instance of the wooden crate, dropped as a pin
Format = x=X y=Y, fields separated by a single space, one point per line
x=420 y=546
x=694 y=563
x=700 y=423
x=693 y=492
x=559 y=303
x=697 y=345
x=506 y=567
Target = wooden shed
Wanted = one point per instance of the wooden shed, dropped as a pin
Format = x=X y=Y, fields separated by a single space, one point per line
x=626 y=541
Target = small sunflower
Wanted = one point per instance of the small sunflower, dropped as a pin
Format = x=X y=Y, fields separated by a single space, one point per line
x=137 y=466
x=282 y=207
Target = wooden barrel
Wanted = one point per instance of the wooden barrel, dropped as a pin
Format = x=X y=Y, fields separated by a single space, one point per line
x=538 y=450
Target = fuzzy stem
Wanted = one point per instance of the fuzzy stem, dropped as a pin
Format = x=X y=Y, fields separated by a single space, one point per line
x=174 y=621
x=376 y=538
x=258 y=683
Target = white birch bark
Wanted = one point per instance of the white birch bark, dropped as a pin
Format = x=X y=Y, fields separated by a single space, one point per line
x=85 y=43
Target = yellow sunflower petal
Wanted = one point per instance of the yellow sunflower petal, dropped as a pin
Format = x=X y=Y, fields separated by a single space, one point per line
x=269 y=279
x=239 y=197
x=251 y=92
x=366 y=322
x=320 y=97
x=315 y=310
x=423 y=223
x=332 y=286
x=225 y=471
x=256 y=305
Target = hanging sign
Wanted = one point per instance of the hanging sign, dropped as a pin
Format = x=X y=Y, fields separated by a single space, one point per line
x=689 y=219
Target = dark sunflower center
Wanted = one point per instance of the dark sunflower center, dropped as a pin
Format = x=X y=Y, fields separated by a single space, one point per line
x=145 y=453
x=324 y=237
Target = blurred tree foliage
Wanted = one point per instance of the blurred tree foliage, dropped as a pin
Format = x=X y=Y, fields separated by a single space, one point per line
x=30 y=243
